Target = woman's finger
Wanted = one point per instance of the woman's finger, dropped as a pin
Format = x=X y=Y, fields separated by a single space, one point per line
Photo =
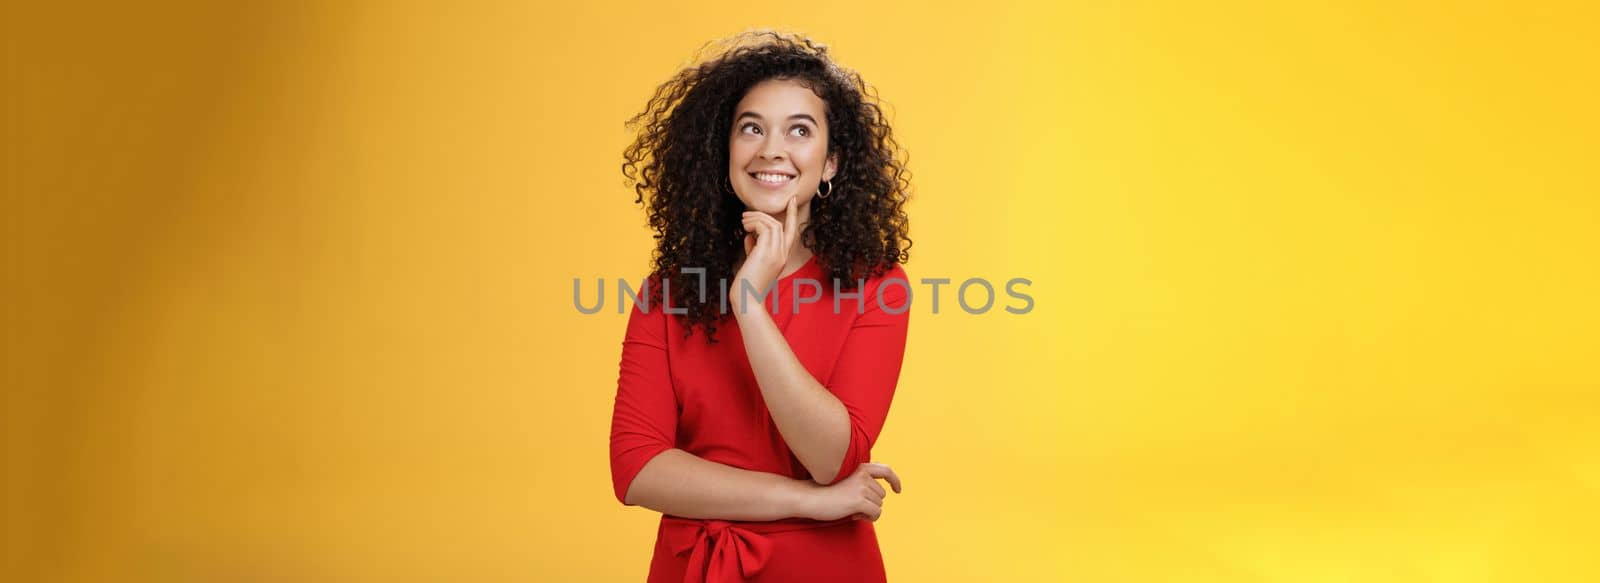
x=751 y=218
x=764 y=219
x=883 y=471
x=766 y=222
x=776 y=243
x=873 y=484
x=755 y=226
x=872 y=497
x=872 y=511
x=770 y=231
x=791 y=223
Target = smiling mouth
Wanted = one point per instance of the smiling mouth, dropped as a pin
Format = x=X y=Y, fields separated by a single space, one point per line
x=771 y=178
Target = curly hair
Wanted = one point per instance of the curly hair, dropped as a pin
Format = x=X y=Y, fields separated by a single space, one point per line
x=679 y=162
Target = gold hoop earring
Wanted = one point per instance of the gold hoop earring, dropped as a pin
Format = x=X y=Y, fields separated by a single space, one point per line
x=824 y=193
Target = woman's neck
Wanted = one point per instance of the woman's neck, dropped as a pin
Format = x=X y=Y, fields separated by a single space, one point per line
x=797 y=259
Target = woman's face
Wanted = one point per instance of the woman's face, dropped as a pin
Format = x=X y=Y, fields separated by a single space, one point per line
x=780 y=133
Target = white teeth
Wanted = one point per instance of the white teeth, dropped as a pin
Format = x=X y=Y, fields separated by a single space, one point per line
x=773 y=178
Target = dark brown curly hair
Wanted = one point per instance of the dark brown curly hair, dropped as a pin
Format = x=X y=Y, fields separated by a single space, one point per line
x=679 y=162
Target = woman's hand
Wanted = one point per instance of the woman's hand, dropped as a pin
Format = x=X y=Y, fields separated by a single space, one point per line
x=857 y=496
x=766 y=250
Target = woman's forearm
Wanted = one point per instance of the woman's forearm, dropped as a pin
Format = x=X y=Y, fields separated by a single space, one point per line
x=682 y=484
x=812 y=421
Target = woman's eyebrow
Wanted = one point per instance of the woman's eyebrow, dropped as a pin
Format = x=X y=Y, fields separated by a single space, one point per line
x=804 y=116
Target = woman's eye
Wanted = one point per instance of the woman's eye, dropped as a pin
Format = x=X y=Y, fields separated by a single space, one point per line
x=803 y=130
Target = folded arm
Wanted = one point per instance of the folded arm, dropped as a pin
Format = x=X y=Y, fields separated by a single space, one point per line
x=679 y=483
x=647 y=470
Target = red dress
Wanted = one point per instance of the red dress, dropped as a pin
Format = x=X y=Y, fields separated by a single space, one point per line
x=703 y=398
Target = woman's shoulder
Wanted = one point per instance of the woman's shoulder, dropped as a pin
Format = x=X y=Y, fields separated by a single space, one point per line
x=647 y=299
x=894 y=272
x=869 y=279
x=889 y=290
x=875 y=274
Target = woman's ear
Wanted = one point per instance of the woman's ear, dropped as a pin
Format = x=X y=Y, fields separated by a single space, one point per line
x=831 y=167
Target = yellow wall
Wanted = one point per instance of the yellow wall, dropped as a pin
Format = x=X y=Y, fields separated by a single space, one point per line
x=288 y=288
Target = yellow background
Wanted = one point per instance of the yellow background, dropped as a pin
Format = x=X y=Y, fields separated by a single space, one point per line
x=288 y=288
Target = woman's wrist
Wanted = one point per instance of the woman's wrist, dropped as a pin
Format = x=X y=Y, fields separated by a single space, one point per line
x=746 y=298
x=795 y=497
x=746 y=308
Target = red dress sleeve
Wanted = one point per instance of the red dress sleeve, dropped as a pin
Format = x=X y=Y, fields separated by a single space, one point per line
x=868 y=368
x=644 y=419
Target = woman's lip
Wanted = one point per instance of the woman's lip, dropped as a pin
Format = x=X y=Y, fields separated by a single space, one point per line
x=772 y=185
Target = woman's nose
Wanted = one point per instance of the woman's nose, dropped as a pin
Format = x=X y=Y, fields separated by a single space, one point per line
x=771 y=150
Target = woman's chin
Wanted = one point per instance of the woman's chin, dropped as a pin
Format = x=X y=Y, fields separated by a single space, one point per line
x=775 y=202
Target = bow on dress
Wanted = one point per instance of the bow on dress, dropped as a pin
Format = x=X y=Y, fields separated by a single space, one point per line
x=720 y=552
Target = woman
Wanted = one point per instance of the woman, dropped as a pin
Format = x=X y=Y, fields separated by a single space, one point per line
x=766 y=168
